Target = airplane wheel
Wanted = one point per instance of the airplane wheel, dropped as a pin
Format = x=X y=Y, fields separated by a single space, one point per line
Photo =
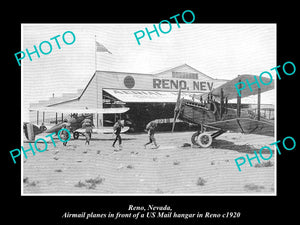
x=204 y=140
x=76 y=135
x=194 y=138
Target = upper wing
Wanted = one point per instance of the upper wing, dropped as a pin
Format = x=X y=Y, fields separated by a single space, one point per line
x=78 y=110
x=230 y=91
x=245 y=125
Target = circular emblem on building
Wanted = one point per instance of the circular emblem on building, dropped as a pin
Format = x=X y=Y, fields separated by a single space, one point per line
x=129 y=82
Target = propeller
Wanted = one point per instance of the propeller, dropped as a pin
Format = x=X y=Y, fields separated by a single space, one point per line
x=176 y=110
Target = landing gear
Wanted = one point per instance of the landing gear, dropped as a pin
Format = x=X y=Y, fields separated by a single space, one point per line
x=30 y=132
x=194 y=138
x=204 y=140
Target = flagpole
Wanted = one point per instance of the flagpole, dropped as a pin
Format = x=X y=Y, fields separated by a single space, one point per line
x=99 y=48
x=95 y=55
x=96 y=81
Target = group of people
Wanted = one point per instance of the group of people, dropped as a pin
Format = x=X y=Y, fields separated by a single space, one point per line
x=150 y=128
x=87 y=124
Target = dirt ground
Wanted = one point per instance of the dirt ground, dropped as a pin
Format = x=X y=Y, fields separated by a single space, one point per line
x=98 y=168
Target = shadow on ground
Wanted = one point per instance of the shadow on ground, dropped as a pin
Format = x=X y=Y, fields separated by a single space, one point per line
x=246 y=148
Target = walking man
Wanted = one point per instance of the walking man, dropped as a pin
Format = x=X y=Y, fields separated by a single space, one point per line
x=64 y=134
x=117 y=131
x=151 y=130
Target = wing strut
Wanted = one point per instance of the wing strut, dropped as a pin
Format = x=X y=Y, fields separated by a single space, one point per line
x=221 y=103
x=177 y=109
x=238 y=104
x=37 y=117
x=238 y=122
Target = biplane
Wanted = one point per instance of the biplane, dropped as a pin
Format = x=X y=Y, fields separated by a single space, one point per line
x=75 y=123
x=213 y=112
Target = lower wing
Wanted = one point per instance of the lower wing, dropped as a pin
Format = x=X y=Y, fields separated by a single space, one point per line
x=245 y=125
x=104 y=130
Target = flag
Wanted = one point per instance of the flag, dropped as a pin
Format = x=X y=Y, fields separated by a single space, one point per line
x=101 y=48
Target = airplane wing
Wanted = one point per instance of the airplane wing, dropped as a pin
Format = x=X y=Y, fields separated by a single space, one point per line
x=245 y=125
x=230 y=91
x=104 y=130
x=81 y=110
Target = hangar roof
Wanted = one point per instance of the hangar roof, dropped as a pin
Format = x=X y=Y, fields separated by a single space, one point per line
x=76 y=96
x=182 y=66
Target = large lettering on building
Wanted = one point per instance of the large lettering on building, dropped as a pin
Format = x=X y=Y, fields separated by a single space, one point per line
x=183 y=84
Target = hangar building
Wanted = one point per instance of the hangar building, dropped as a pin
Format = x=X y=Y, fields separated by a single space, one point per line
x=149 y=96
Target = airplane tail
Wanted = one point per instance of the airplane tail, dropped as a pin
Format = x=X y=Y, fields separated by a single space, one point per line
x=30 y=131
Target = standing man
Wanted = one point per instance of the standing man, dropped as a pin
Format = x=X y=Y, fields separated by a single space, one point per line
x=117 y=130
x=88 y=134
x=151 y=130
x=43 y=127
x=88 y=126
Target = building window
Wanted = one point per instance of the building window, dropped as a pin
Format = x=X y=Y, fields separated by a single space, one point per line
x=185 y=75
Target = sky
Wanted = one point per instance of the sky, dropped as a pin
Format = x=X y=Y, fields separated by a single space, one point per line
x=221 y=51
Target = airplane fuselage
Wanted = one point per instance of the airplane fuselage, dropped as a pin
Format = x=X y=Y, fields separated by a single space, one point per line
x=205 y=113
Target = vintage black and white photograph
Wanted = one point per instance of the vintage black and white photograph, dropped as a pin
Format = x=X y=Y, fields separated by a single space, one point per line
x=148 y=109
